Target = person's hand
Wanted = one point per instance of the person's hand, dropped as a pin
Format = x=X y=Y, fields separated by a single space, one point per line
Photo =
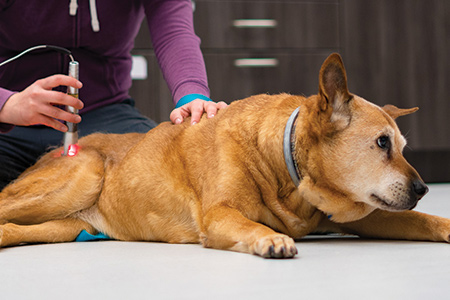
x=195 y=109
x=36 y=104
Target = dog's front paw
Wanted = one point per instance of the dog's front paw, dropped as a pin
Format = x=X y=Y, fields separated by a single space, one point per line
x=441 y=229
x=275 y=246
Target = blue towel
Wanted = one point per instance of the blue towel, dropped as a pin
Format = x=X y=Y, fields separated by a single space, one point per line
x=84 y=236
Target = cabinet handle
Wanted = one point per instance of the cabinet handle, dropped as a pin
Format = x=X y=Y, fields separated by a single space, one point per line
x=255 y=23
x=256 y=62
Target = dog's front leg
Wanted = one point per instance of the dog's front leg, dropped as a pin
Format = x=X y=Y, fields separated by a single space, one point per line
x=56 y=231
x=406 y=225
x=228 y=229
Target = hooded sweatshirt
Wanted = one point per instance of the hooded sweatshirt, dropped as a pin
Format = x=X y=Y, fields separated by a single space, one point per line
x=100 y=34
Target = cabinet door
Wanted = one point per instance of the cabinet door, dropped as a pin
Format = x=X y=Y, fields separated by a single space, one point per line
x=234 y=76
x=267 y=24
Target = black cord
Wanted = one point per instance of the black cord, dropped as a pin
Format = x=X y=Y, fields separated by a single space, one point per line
x=50 y=47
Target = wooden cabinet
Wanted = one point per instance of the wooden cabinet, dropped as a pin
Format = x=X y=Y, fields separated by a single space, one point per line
x=395 y=52
x=253 y=47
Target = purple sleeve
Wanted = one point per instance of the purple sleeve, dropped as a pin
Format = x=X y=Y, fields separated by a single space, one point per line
x=4 y=96
x=177 y=48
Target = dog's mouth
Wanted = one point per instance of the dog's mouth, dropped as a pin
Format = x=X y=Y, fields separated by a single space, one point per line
x=380 y=201
x=387 y=205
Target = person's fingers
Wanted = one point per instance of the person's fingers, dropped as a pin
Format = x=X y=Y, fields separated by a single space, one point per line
x=53 y=81
x=55 y=97
x=34 y=118
x=50 y=122
x=43 y=103
x=211 y=109
x=58 y=114
x=58 y=98
x=176 y=117
x=221 y=105
x=197 y=108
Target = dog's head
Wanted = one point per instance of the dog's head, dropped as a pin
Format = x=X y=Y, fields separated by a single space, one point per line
x=360 y=146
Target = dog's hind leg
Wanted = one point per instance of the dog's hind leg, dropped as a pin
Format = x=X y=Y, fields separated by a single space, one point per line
x=56 y=231
x=54 y=188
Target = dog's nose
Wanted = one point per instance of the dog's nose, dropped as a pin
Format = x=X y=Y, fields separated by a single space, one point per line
x=420 y=188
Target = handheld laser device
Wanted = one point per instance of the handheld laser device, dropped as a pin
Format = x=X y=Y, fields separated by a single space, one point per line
x=71 y=136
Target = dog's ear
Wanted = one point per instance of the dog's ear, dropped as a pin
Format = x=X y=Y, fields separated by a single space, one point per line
x=395 y=112
x=333 y=90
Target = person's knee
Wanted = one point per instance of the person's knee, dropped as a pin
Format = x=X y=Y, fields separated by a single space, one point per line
x=7 y=177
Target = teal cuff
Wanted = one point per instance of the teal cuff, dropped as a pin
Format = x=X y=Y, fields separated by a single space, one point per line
x=84 y=236
x=191 y=97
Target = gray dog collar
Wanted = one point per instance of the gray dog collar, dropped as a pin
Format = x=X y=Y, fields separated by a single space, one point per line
x=289 y=148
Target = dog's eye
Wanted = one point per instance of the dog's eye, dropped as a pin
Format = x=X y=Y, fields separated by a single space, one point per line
x=384 y=142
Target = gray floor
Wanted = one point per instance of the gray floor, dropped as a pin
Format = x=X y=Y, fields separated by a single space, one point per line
x=326 y=268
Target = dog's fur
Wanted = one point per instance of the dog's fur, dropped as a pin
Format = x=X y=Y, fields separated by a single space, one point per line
x=224 y=182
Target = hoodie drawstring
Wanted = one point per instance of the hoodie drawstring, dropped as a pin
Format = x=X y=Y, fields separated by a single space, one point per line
x=94 y=18
x=73 y=6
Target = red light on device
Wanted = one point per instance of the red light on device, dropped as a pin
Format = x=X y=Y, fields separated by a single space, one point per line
x=73 y=150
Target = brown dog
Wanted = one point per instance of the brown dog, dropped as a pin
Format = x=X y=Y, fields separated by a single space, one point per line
x=246 y=180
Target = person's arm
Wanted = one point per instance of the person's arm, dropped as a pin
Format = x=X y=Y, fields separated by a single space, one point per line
x=177 y=49
x=4 y=96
